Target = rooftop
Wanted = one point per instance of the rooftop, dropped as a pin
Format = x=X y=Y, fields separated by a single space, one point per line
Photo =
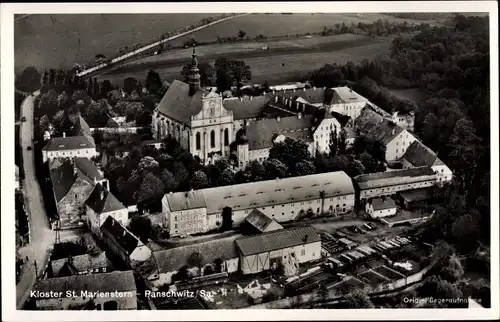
x=246 y=107
x=173 y=259
x=346 y=95
x=420 y=155
x=383 y=179
x=405 y=216
x=178 y=104
x=276 y=192
x=121 y=235
x=278 y=239
x=101 y=200
x=260 y=220
x=261 y=133
x=383 y=203
x=120 y=281
x=81 y=263
x=416 y=195
x=69 y=143
x=185 y=200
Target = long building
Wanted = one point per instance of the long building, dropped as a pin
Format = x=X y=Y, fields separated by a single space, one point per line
x=389 y=183
x=282 y=200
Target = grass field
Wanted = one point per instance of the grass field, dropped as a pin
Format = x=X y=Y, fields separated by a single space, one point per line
x=288 y=60
x=59 y=40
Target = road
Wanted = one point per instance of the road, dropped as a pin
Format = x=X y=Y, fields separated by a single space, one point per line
x=42 y=237
x=145 y=48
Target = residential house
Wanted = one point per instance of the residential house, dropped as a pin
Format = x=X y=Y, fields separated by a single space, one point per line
x=281 y=199
x=73 y=181
x=216 y=256
x=79 y=265
x=72 y=146
x=346 y=101
x=100 y=204
x=123 y=244
x=285 y=247
x=419 y=155
x=105 y=291
x=381 y=207
x=394 y=138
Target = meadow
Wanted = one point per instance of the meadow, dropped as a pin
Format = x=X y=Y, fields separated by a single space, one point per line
x=60 y=40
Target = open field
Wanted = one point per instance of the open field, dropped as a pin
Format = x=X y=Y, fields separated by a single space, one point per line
x=59 y=40
x=275 y=65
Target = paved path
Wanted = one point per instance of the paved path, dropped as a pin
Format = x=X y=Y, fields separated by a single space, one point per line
x=42 y=237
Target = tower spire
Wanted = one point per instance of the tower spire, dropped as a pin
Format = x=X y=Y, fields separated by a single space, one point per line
x=194 y=73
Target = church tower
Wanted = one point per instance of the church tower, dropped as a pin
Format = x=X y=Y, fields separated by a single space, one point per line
x=194 y=74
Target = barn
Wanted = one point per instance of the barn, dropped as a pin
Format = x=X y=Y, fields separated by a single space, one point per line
x=287 y=247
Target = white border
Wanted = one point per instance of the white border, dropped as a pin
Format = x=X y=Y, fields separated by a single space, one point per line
x=7 y=159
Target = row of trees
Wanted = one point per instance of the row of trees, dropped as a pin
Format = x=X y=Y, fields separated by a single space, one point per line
x=381 y=27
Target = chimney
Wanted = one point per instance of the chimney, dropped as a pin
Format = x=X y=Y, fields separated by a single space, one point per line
x=95 y=181
x=314 y=88
x=299 y=116
x=278 y=118
x=290 y=103
x=75 y=170
x=294 y=90
x=251 y=97
x=241 y=99
x=393 y=131
x=303 y=89
x=170 y=192
x=124 y=232
x=64 y=134
x=275 y=98
x=102 y=194
x=324 y=87
x=273 y=91
x=70 y=259
x=192 y=189
x=305 y=238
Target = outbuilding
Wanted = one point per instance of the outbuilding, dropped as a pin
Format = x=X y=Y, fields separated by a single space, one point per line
x=381 y=207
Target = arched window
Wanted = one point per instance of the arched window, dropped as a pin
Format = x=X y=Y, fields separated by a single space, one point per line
x=212 y=139
x=226 y=137
x=198 y=141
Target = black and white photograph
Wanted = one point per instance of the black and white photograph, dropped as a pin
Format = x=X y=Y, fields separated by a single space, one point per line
x=257 y=156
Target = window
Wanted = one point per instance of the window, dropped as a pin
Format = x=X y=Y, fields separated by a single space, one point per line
x=317 y=210
x=212 y=139
x=175 y=226
x=226 y=137
x=198 y=141
x=175 y=218
x=282 y=205
x=302 y=252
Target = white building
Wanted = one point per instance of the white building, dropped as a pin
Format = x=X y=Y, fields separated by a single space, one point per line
x=282 y=200
x=346 y=101
x=217 y=256
x=72 y=146
x=100 y=205
x=117 y=291
x=395 y=139
x=389 y=183
x=269 y=250
x=419 y=155
x=381 y=207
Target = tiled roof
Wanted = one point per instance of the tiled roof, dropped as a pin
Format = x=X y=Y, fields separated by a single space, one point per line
x=81 y=263
x=376 y=127
x=419 y=155
x=178 y=104
x=383 y=203
x=172 y=259
x=63 y=176
x=259 y=220
x=120 y=281
x=383 y=179
x=81 y=127
x=311 y=95
x=101 y=200
x=246 y=107
x=185 y=200
x=416 y=195
x=261 y=133
x=69 y=143
x=121 y=235
x=278 y=239
x=276 y=192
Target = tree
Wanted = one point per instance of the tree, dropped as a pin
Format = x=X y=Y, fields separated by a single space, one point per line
x=151 y=188
x=304 y=168
x=199 y=180
x=129 y=85
x=358 y=299
x=275 y=169
x=147 y=164
x=241 y=72
x=290 y=152
x=227 y=177
x=241 y=34
x=29 y=80
x=466 y=229
x=453 y=270
x=153 y=82
x=341 y=142
x=333 y=146
x=141 y=227
x=255 y=170
x=44 y=124
x=224 y=78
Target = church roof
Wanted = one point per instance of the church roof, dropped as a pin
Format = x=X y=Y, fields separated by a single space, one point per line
x=178 y=105
x=247 y=107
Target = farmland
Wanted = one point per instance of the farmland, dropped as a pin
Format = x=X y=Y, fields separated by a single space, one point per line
x=285 y=60
x=59 y=40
